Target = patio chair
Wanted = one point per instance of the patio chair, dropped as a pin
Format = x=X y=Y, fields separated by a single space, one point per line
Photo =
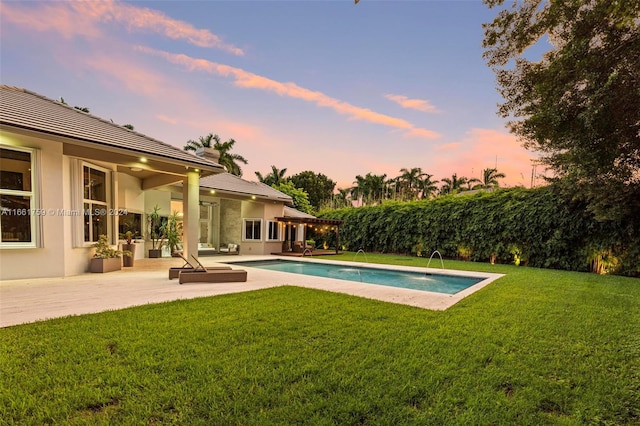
x=206 y=275
x=174 y=272
x=230 y=249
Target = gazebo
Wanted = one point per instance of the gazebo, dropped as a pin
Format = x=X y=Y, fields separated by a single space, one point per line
x=296 y=217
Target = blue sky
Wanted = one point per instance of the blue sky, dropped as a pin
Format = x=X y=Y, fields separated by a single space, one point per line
x=327 y=86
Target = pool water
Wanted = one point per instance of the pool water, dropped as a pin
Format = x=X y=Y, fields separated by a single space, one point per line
x=439 y=283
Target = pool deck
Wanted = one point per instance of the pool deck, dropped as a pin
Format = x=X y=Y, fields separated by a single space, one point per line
x=30 y=300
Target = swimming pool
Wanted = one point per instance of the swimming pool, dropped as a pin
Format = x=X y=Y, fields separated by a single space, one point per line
x=438 y=283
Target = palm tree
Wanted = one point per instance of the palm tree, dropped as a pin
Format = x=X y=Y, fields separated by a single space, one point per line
x=341 y=199
x=490 y=178
x=453 y=185
x=360 y=190
x=228 y=160
x=428 y=186
x=377 y=186
x=470 y=182
x=410 y=181
x=202 y=142
x=274 y=178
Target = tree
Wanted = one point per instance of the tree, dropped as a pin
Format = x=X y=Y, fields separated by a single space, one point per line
x=370 y=189
x=202 y=142
x=490 y=178
x=453 y=185
x=317 y=185
x=128 y=126
x=580 y=104
x=228 y=160
x=341 y=199
x=427 y=186
x=274 y=178
x=299 y=196
x=410 y=181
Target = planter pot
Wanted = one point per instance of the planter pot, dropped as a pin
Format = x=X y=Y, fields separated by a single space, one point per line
x=105 y=265
x=155 y=253
x=127 y=261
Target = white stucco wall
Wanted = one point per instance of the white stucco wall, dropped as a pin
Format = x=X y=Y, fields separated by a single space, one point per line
x=48 y=260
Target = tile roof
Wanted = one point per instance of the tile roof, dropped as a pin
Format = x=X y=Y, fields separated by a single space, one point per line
x=226 y=182
x=291 y=212
x=28 y=110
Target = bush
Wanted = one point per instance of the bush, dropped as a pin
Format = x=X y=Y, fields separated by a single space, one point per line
x=531 y=227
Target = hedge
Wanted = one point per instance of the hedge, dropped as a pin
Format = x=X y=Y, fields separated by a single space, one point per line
x=535 y=227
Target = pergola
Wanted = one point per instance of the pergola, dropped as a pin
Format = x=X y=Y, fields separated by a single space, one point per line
x=314 y=221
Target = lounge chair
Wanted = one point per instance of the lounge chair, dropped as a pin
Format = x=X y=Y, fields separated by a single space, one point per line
x=300 y=247
x=188 y=267
x=206 y=275
x=230 y=249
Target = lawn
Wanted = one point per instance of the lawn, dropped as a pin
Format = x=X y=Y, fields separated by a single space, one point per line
x=535 y=347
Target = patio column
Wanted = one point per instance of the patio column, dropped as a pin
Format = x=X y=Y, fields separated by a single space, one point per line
x=191 y=213
x=337 y=238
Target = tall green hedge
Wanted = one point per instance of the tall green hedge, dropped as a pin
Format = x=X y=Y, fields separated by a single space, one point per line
x=535 y=227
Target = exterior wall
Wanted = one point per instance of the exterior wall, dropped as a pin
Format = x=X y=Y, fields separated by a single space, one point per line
x=49 y=259
x=230 y=222
x=252 y=210
x=271 y=211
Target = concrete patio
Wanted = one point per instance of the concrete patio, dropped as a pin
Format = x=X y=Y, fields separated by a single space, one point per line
x=30 y=300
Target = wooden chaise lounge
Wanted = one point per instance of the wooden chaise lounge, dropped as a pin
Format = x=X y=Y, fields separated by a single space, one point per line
x=215 y=276
x=200 y=274
x=174 y=272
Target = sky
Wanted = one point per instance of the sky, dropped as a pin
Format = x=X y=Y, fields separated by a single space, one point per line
x=327 y=86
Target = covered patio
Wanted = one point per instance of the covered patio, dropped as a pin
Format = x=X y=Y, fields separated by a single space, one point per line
x=309 y=222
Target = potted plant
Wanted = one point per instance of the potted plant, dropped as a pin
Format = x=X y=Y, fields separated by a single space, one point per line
x=156 y=232
x=127 y=260
x=173 y=233
x=106 y=258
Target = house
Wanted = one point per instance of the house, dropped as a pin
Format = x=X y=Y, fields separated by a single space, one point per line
x=67 y=177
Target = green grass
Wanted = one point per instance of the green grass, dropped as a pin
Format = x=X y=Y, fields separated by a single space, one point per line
x=535 y=347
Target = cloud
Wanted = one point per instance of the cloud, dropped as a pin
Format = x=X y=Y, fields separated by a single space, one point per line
x=166 y=119
x=486 y=148
x=420 y=133
x=417 y=104
x=82 y=18
x=247 y=79
x=448 y=146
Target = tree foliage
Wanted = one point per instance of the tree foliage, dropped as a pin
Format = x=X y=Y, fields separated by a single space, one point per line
x=580 y=104
x=535 y=227
x=299 y=196
x=227 y=159
x=317 y=185
x=274 y=178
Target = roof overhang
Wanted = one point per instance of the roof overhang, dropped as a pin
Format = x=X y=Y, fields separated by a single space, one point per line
x=154 y=170
x=310 y=221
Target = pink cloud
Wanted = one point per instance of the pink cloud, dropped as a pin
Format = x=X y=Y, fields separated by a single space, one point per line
x=417 y=132
x=448 y=146
x=54 y=16
x=132 y=76
x=487 y=148
x=417 y=104
x=82 y=18
x=247 y=79
x=166 y=119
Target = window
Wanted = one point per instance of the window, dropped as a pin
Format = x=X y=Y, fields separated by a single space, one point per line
x=95 y=202
x=252 y=229
x=273 y=231
x=130 y=222
x=18 y=210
